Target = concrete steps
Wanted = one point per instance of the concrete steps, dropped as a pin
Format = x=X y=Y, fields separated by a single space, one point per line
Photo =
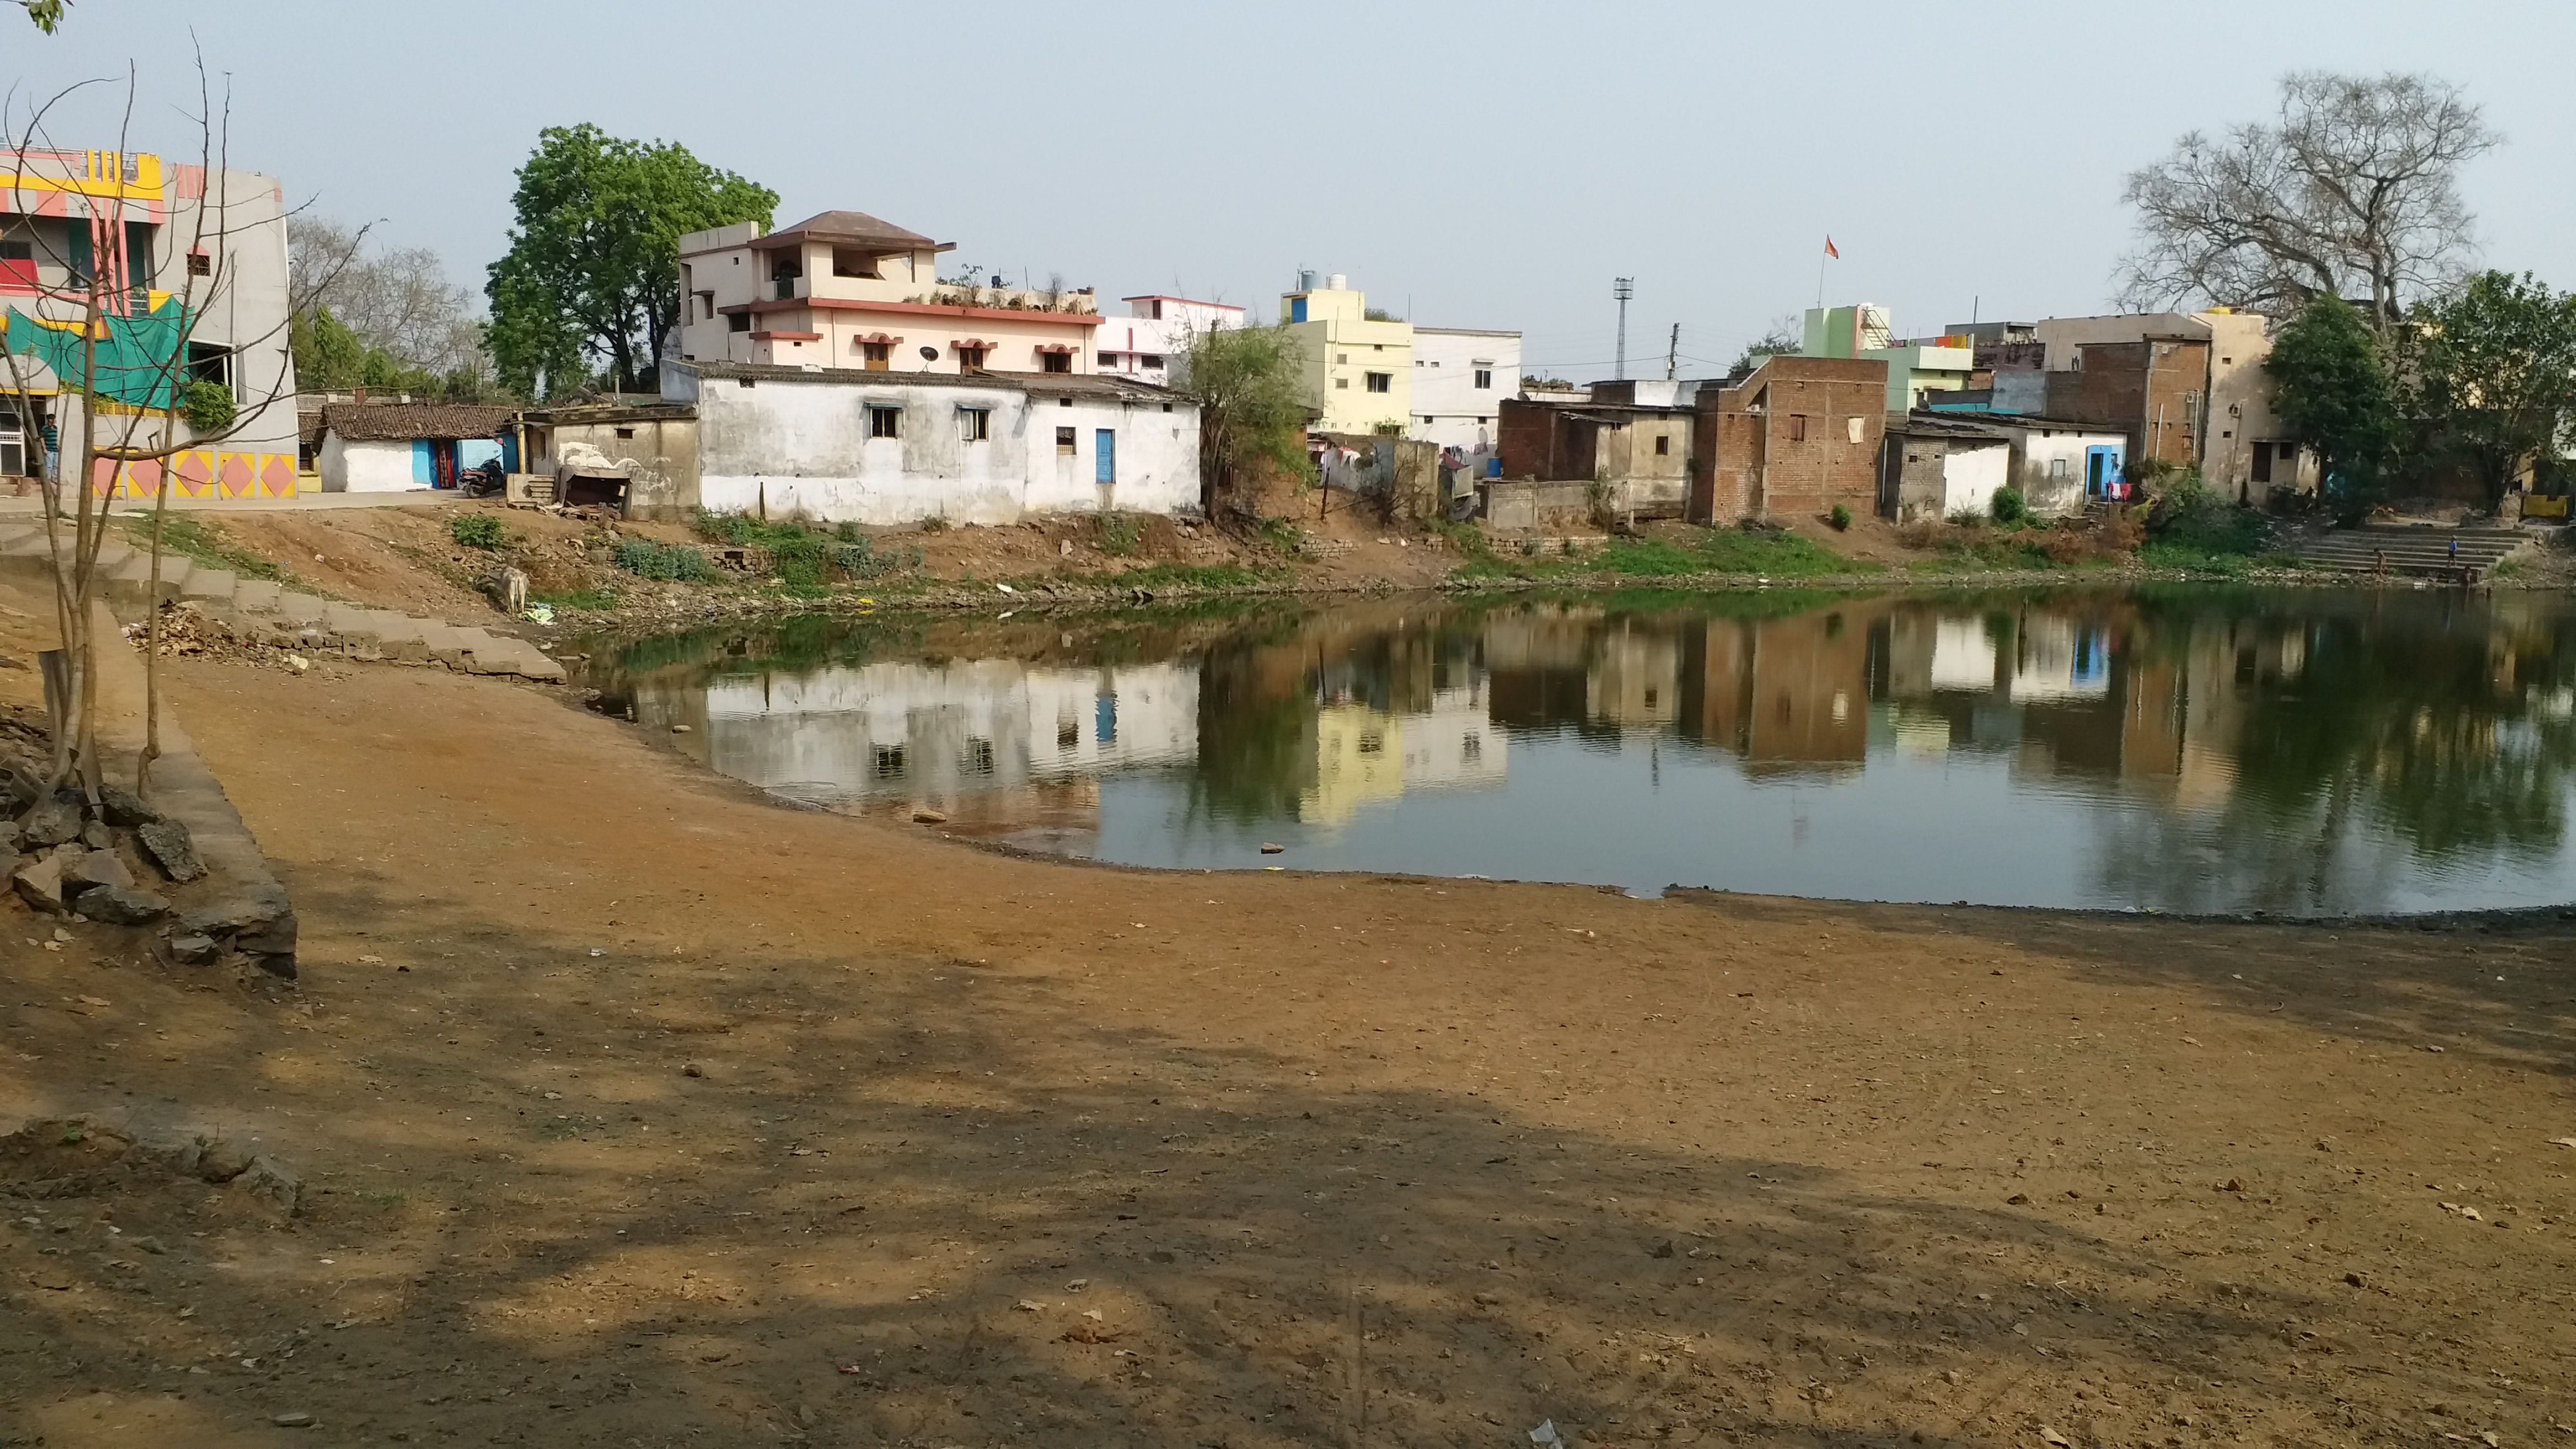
x=2401 y=549
x=265 y=609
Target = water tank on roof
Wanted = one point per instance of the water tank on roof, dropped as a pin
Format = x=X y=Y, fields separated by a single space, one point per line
x=1305 y=281
x=1337 y=282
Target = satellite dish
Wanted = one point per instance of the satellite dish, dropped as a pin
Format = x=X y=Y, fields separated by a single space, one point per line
x=930 y=354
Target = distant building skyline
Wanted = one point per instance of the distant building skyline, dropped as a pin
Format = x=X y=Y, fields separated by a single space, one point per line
x=1221 y=177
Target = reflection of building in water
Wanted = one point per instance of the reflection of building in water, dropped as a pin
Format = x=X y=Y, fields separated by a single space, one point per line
x=1364 y=754
x=989 y=737
x=1782 y=693
x=1635 y=677
x=2057 y=658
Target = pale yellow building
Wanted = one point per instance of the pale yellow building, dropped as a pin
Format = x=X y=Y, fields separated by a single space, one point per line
x=1359 y=373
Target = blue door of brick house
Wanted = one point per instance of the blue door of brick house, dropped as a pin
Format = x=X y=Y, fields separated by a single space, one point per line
x=1105 y=443
x=2101 y=472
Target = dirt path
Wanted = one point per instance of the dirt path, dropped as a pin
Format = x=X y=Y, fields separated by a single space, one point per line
x=634 y=1111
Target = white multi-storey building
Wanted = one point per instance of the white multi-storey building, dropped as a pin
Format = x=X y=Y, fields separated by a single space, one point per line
x=1460 y=377
x=1152 y=342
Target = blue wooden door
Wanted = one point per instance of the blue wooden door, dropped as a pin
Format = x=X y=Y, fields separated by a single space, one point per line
x=2101 y=470
x=1105 y=445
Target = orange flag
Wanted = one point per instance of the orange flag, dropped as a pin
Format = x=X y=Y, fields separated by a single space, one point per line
x=1829 y=248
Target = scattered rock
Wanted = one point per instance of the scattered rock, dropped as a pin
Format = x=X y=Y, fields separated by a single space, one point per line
x=680 y=729
x=292 y=1421
x=96 y=836
x=50 y=822
x=40 y=884
x=2233 y=1184
x=927 y=816
x=221 y=1161
x=192 y=950
x=167 y=843
x=96 y=868
x=693 y=1070
x=2018 y=1199
x=272 y=1183
x=1269 y=849
x=1663 y=1249
x=123 y=808
x=122 y=905
x=2354 y=1279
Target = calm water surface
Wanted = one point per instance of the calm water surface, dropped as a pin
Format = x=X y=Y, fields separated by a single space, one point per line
x=2186 y=750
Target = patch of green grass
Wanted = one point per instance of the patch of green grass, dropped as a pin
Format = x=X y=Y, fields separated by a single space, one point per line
x=595 y=599
x=203 y=543
x=1188 y=576
x=1758 y=552
x=477 y=530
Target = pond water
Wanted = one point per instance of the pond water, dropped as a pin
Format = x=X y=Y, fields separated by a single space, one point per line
x=2300 y=752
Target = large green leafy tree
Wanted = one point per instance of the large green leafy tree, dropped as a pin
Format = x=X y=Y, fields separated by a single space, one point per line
x=2331 y=385
x=1249 y=385
x=2494 y=368
x=592 y=277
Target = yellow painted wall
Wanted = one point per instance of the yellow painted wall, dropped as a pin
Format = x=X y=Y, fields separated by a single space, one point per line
x=1341 y=350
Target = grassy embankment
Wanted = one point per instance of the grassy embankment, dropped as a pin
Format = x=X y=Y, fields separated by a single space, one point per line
x=1753 y=551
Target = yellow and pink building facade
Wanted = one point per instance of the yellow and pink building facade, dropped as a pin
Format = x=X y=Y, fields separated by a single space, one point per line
x=177 y=307
x=845 y=290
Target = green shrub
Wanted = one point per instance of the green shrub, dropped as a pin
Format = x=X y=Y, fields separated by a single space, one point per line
x=1840 y=518
x=2008 y=506
x=679 y=561
x=1119 y=534
x=476 y=530
x=208 y=407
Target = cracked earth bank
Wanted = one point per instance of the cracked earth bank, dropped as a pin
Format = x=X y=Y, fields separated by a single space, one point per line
x=631 y=1110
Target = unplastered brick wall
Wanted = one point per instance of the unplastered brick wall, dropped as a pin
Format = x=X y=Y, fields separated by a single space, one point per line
x=1797 y=437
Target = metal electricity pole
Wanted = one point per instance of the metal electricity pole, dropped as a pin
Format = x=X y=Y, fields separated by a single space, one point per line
x=1623 y=288
x=1672 y=352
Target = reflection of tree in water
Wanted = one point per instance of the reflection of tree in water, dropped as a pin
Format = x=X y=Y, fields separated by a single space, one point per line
x=2414 y=733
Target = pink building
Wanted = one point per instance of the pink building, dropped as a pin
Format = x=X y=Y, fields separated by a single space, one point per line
x=845 y=290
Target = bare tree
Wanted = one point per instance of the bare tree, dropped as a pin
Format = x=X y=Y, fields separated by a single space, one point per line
x=103 y=294
x=401 y=302
x=2353 y=191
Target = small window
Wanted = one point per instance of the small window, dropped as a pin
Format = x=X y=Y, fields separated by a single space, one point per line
x=979 y=757
x=200 y=265
x=975 y=425
x=1663 y=445
x=889 y=761
x=1797 y=427
x=625 y=432
x=1341 y=357
x=970 y=356
x=1484 y=377
x=1055 y=362
x=877 y=356
x=1343 y=383
x=706 y=306
x=1372 y=742
x=1064 y=442
x=1149 y=359
x=884 y=421
x=2060 y=468
x=1381 y=382
x=738 y=322
x=1167 y=407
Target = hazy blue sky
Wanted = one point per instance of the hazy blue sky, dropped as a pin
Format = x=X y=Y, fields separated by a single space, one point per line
x=1487 y=165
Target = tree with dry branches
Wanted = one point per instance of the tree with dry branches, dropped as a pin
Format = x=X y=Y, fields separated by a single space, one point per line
x=98 y=332
x=2351 y=191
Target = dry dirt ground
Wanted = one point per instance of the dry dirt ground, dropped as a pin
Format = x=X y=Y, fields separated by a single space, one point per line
x=633 y=1111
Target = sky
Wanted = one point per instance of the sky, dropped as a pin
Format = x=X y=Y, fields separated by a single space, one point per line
x=1488 y=165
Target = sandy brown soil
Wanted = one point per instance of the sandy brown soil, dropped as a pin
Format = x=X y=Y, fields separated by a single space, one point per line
x=634 y=1111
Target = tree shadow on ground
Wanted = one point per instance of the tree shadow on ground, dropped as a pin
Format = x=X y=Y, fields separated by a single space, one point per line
x=872 y=1199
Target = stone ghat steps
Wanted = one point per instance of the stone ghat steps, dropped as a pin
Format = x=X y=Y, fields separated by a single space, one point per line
x=2410 y=550
x=267 y=612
